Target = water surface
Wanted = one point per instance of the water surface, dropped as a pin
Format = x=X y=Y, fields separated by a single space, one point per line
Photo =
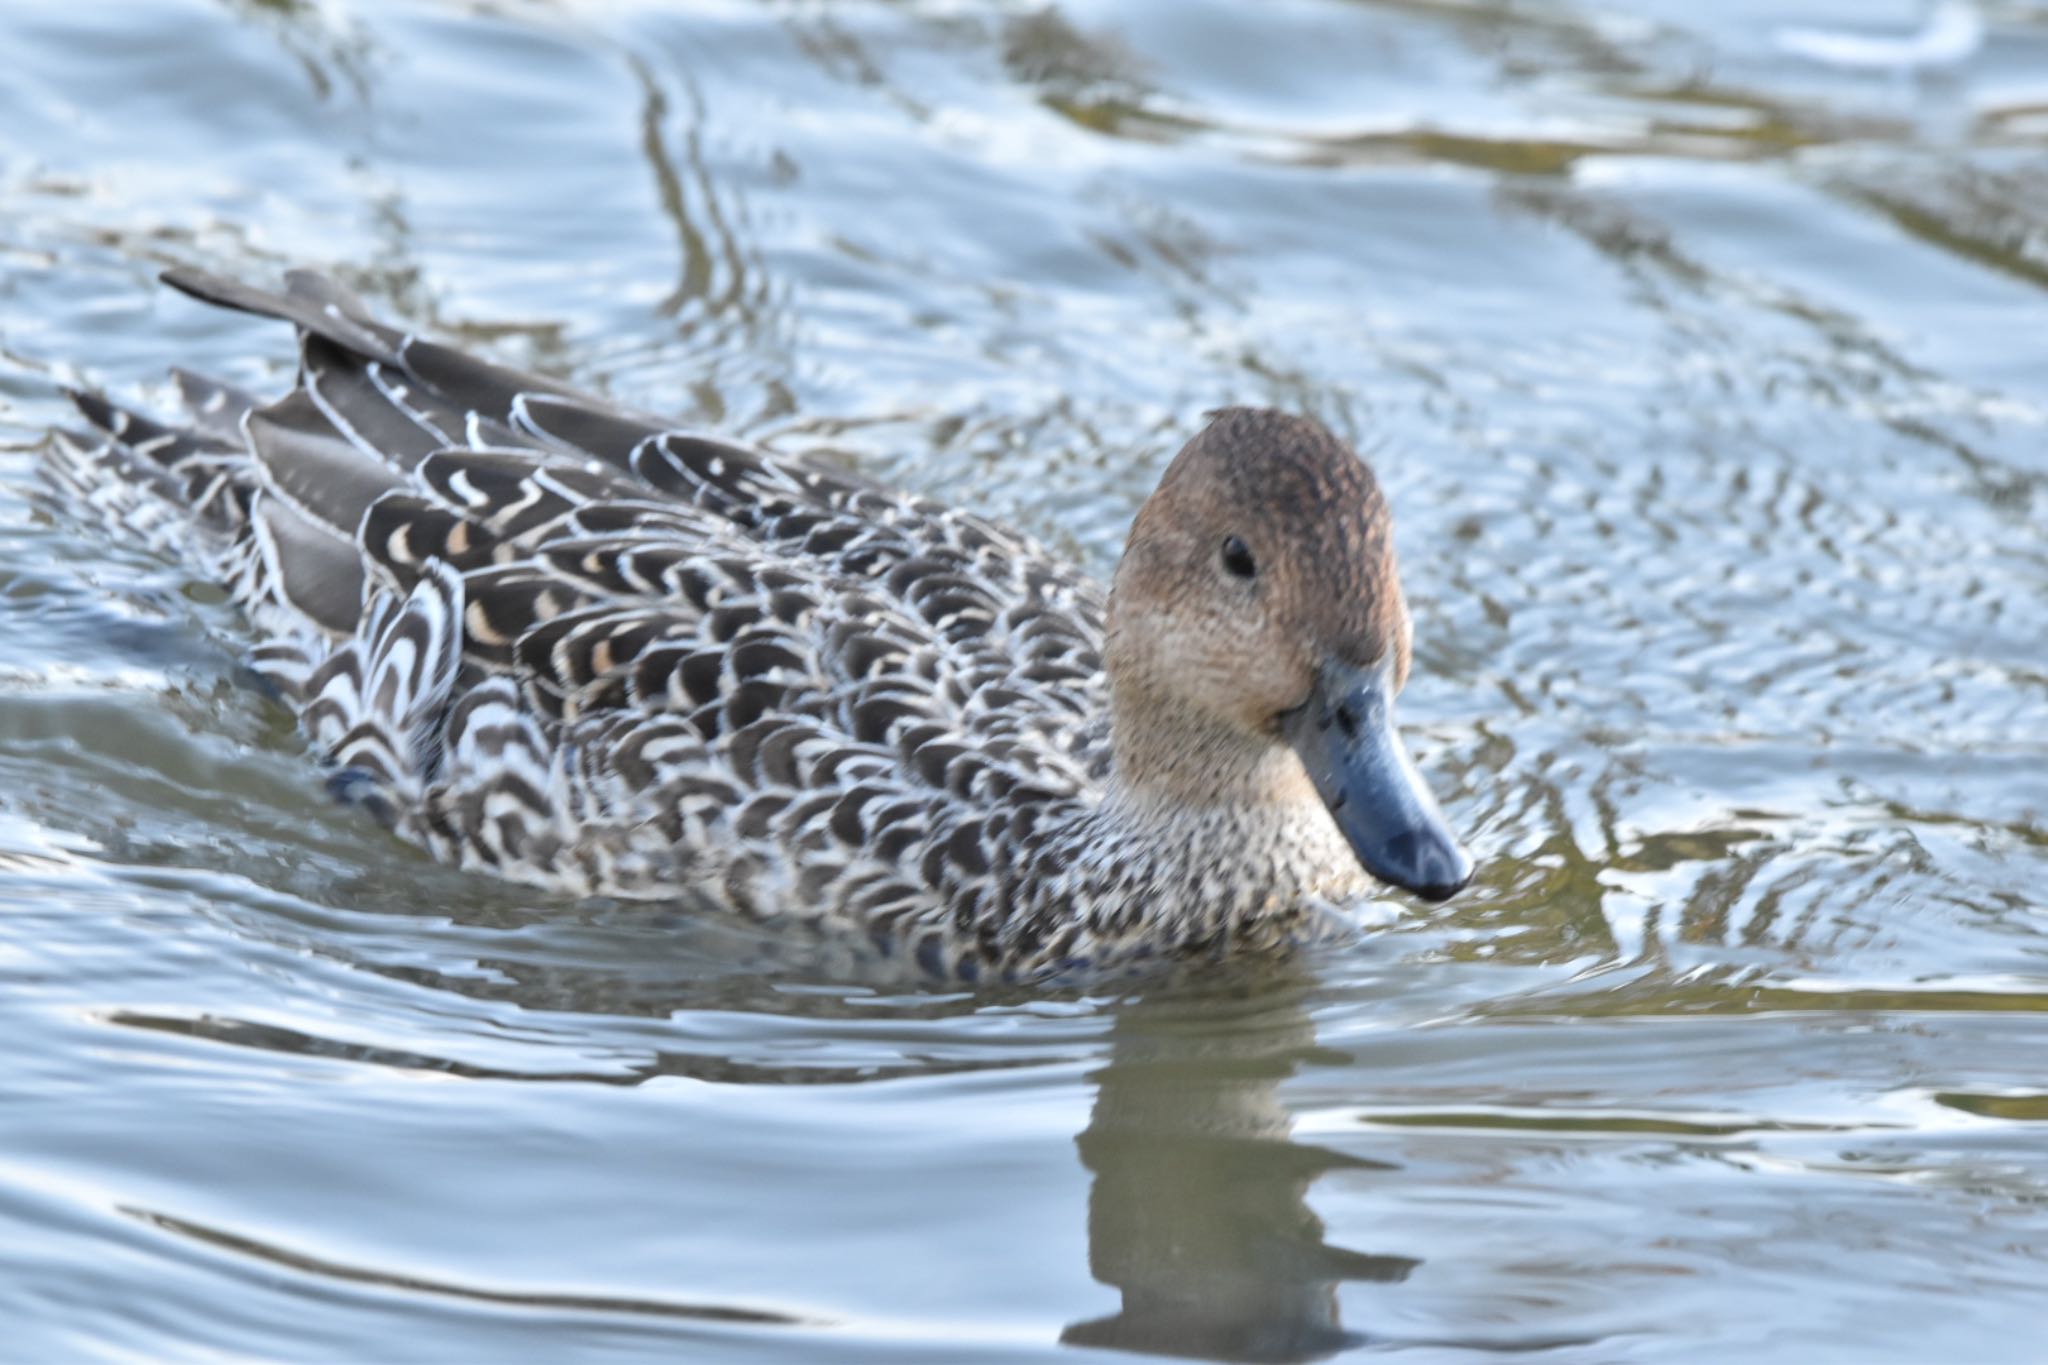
x=1711 y=389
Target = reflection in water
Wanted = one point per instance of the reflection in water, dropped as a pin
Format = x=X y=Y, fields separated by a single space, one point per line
x=1198 y=1212
x=291 y=1261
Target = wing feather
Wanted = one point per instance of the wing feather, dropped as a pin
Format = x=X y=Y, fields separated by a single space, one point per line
x=315 y=467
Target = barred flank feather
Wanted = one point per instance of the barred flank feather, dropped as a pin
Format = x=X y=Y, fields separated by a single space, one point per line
x=375 y=704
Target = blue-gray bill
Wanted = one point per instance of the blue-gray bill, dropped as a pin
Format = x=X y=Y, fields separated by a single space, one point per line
x=1346 y=738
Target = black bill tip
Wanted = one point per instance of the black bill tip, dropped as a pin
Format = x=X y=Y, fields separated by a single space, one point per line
x=1345 y=736
x=1425 y=860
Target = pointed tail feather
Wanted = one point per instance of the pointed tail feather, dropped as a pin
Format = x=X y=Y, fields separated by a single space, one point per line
x=312 y=301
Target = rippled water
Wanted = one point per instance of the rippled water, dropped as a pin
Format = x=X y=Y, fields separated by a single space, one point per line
x=1711 y=387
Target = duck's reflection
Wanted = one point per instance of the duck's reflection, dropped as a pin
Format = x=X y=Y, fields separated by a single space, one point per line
x=1198 y=1213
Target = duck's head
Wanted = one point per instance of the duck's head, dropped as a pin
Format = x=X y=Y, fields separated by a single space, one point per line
x=1258 y=637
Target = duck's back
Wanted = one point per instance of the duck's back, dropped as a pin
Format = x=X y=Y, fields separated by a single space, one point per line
x=585 y=650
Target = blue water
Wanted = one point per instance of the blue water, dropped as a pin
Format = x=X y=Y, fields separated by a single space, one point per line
x=1710 y=386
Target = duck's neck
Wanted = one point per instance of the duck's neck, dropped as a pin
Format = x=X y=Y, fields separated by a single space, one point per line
x=1204 y=835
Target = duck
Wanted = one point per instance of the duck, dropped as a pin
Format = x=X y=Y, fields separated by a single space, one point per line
x=592 y=651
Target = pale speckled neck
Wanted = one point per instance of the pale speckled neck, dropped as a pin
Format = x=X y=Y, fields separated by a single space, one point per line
x=1176 y=874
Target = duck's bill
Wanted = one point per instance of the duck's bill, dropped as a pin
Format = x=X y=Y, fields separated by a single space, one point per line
x=1346 y=738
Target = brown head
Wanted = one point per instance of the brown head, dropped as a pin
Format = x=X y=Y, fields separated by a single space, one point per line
x=1257 y=637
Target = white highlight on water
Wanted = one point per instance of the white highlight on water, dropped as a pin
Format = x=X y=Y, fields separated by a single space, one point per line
x=1952 y=31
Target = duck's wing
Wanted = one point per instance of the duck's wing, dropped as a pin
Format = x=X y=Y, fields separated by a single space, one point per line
x=372 y=404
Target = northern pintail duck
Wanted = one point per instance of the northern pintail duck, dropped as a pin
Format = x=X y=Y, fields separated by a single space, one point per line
x=572 y=645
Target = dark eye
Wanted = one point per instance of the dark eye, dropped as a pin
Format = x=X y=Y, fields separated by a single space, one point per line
x=1237 y=558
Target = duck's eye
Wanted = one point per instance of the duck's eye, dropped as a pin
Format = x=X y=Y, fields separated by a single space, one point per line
x=1237 y=558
